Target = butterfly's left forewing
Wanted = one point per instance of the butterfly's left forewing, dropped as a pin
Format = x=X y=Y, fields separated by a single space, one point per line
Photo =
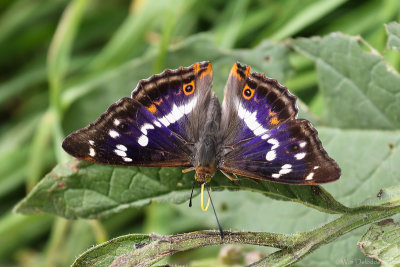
x=262 y=139
x=156 y=127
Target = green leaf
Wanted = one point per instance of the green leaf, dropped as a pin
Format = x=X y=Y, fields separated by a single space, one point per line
x=61 y=46
x=102 y=255
x=382 y=242
x=17 y=230
x=367 y=159
x=393 y=31
x=293 y=247
x=307 y=16
x=360 y=90
x=81 y=189
x=128 y=39
x=146 y=250
x=357 y=93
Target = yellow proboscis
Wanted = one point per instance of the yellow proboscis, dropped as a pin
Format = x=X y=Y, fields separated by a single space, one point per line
x=202 y=198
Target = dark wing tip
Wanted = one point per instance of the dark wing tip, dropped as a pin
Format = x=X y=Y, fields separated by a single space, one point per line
x=79 y=143
x=76 y=146
x=327 y=168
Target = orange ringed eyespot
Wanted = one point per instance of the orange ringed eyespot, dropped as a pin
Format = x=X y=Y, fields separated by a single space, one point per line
x=247 y=92
x=189 y=88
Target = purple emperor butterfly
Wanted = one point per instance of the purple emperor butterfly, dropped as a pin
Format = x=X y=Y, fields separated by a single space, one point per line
x=173 y=119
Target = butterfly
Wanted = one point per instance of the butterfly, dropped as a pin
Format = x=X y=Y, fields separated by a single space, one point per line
x=173 y=119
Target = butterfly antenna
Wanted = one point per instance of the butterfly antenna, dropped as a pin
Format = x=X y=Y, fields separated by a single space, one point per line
x=216 y=217
x=191 y=195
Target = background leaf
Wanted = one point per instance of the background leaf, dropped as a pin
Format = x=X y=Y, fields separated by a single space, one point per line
x=382 y=242
x=80 y=189
x=293 y=247
x=119 y=42
x=393 y=30
x=353 y=99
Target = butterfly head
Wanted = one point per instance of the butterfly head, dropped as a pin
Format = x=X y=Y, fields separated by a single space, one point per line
x=204 y=174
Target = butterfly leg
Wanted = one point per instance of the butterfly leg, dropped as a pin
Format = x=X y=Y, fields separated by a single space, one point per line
x=233 y=179
x=188 y=170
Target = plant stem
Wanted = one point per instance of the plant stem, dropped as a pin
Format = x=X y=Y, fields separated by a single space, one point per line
x=293 y=247
x=326 y=234
x=168 y=245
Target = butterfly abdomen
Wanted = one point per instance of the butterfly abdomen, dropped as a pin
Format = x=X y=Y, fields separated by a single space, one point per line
x=208 y=145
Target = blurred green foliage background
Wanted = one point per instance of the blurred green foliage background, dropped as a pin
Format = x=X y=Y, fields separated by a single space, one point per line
x=54 y=57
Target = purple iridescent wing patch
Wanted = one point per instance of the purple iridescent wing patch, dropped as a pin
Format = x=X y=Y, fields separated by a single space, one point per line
x=177 y=98
x=174 y=120
x=128 y=134
x=153 y=128
x=261 y=137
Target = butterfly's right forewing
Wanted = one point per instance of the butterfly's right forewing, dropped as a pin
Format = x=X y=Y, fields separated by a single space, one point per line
x=156 y=127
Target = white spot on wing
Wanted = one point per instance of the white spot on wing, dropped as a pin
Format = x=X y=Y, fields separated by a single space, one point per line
x=164 y=121
x=120 y=153
x=143 y=140
x=241 y=112
x=285 y=171
x=190 y=106
x=265 y=136
x=252 y=122
x=299 y=156
x=121 y=147
x=303 y=144
x=156 y=123
x=177 y=112
x=271 y=155
x=316 y=167
x=250 y=118
x=145 y=127
x=116 y=122
x=91 y=142
x=310 y=176
x=92 y=153
x=113 y=133
x=274 y=142
x=260 y=131
x=127 y=159
x=287 y=166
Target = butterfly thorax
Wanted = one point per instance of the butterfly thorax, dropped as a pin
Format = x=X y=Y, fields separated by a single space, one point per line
x=208 y=146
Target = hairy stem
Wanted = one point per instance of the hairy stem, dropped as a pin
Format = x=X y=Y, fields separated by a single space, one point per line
x=293 y=247
x=312 y=240
x=163 y=246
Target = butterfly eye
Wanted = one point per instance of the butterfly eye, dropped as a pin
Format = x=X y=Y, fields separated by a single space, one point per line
x=247 y=92
x=188 y=89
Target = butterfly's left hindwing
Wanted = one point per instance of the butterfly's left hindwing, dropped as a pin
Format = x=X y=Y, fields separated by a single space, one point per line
x=128 y=134
x=262 y=139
